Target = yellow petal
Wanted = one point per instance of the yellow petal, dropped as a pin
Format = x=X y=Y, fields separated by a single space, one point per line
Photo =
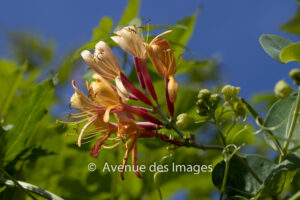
x=172 y=89
x=106 y=114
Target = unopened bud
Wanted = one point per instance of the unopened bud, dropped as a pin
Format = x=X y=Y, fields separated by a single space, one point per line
x=204 y=94
x=240 y=110
x=282 y=89
x=183 y=121
x=214 y=100
x=295 y=75
x=230 y=92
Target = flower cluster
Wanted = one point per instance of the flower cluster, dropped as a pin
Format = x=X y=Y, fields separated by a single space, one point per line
x=107 y=117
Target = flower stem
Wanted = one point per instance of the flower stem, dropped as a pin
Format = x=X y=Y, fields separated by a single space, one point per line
x=260 y=122
x=223 y=139
x=187 y=143
x=293 y=124
x=168 y=122
x=224 y=178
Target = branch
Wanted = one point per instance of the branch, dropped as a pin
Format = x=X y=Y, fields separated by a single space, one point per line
x=187 y=143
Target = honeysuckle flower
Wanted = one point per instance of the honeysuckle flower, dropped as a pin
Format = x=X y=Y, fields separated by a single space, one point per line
x=104 y=95
x=162 y=57
x=107 y=98
x=90 y=114
x=131 y=41
x=105 y=64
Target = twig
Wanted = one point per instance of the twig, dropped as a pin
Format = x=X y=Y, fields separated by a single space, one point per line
x=293 y=124
x=260 y=121
x=218 y=130
x=224 y=178
x=187 y=143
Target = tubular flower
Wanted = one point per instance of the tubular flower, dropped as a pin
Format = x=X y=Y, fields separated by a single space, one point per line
x=90 y=114
x=129 y=130
x=104 y=95
x=105 y=63
x=162 y=57
x=129 y=39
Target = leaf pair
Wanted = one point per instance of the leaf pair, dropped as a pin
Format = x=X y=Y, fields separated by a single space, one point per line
x=280 y=48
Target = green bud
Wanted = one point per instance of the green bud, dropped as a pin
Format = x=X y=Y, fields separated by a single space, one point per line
x=239 y=109
x=204 y=94
x=202 y=111
x=230 y=92
x=183 y=121
x=214 y=100
x=282 y=89
x=295 y=75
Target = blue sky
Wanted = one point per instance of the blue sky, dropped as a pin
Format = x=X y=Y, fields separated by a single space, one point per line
x=225 y=29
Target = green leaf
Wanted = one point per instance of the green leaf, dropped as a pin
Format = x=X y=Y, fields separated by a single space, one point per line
x=241 y=133
x=290 y=53
x=9 y=82
x=273 y=44
x=278 y=119
x=131 y=12
x=282 y=175
x=33 y=109
x=293 y=25
x=31 y=48
x=104 y=28
x=239 y=180
x=190 y=65
x=180 y=36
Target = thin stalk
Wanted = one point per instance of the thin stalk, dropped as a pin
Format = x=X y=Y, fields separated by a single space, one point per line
x=16 y=183
x=169 y=122
x=187 y=143
x=293 y=124
x=250 y=170
x=231 y=127
x=223 y=139
x=157 y=186
x=224 y=178
x=256 y=117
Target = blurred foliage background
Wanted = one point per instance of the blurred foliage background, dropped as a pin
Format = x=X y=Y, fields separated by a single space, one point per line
x=34 y=149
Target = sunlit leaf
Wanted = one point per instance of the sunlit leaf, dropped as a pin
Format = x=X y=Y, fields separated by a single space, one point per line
x=290 y=53
x=241 y=133
x=180 y=36
x=34 y=108
x=31 y=48
x=273 y=44
x=131 y=12
x=293 y=25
